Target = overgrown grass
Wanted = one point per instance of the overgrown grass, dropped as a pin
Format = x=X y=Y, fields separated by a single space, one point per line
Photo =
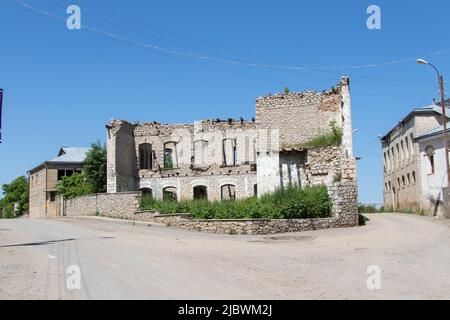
x=290 y=203
x=331 y=138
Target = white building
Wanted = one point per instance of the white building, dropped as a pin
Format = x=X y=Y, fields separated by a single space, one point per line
x=433 y=173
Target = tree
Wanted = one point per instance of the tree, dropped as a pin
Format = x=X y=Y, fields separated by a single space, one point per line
x=73 y=186
x=14 y=193
x=95 y=167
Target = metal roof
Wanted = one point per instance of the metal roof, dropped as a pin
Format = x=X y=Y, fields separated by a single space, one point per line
x=427 y=109
x=71 y=154
x=436 y=131
x=66 y=155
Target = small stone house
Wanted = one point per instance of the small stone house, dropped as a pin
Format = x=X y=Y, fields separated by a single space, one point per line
x=234 y=159
x=44 y=200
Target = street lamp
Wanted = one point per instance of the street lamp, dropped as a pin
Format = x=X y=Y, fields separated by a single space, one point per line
x=444 y=117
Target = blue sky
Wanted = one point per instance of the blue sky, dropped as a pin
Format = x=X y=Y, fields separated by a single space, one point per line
x=62 y=86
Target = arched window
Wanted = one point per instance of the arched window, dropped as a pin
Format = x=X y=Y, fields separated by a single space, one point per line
x=399 y=156
x=408 y=152
x=393 y=158
x=408 y=177
x=389 y=160
x=414 y=177
x=403 y=181
x=170 y=194
x=228 y=192
x=385 y=162
x=429 y=150
x=200 y=193
x=411 y=136
x=170 y=155
x=403 y=156
x=145 y=156
x=147 y=192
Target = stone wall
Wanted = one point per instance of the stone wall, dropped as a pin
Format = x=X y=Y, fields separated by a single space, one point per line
x=345 y=214
x=114 y=205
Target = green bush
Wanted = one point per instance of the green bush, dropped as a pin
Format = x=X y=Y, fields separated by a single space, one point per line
x=73 y=186
x=331 y=138
x=289 y=203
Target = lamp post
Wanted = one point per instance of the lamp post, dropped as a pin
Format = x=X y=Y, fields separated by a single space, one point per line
x=444 y=117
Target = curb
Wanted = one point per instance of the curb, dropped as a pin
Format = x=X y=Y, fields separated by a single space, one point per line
x=118 y=221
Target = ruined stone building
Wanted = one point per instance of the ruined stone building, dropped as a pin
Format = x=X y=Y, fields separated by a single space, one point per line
x=44 y=200
x=412 y=171
x=233 y=159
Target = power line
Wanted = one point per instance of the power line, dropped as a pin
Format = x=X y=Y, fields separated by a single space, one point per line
x=163 y=50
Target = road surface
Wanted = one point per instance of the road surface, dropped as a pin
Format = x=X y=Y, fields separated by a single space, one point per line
x=121 y=261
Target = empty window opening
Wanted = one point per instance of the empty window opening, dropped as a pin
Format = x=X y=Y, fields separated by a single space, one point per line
x=430 y=155
x=170 y=194
x=65 y=173
x=200 y=193
x=145 y=156
x=229 y=152
x=228 y=192
x=147 y=192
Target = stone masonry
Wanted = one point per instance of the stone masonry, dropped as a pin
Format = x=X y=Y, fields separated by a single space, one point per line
x=235 y=159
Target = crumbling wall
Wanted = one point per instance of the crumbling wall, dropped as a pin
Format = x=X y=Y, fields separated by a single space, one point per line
x=121 y=166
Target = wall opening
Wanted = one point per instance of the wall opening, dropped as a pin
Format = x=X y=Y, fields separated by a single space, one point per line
x=229 y=150
x=147 y=192
x=228 y=192
x=170 y=194
x=200 y=193
x=430 y=155
x=170 y=155
x=145 y=156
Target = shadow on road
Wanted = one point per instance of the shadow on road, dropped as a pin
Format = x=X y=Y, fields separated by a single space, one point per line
x=44 y=243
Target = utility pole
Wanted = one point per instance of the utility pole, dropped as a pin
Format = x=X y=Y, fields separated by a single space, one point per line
x=444 y=121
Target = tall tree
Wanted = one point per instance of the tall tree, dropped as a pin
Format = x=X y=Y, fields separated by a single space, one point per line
x=73 y=186
x=95 y=167
x=14 y=193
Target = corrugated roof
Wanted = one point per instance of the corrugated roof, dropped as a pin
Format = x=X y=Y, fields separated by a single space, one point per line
x=71 y=154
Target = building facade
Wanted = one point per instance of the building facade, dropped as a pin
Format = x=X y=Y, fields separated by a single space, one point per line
x=235 y=159
x=44 y=200
x=402 y=161
x=433 y=173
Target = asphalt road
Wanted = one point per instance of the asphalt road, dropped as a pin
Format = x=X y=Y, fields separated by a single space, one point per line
x=119 y=261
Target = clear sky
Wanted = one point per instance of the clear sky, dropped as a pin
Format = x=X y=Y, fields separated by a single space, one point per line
x=62 y=86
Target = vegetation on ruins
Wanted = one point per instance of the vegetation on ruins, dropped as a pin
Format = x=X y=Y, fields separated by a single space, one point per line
x=15 y=194
x=330 y=138
x=292 y=202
